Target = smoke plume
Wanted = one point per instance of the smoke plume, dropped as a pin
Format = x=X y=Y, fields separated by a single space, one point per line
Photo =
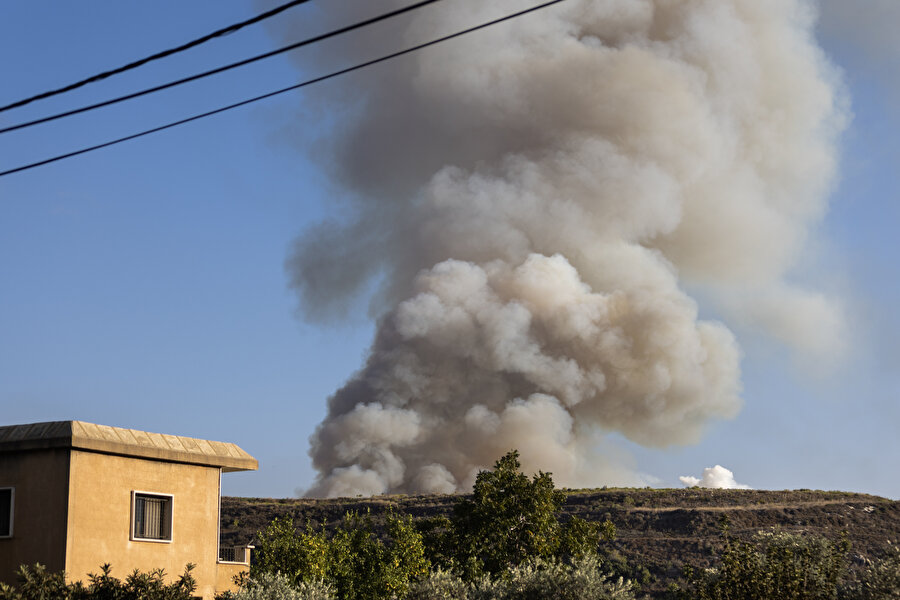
x=717 y=477
x=531 y=204
x=869 y=25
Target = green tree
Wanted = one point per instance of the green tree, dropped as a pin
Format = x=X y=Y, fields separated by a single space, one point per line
x=353 y=562
x=508 y=520
x=301 y=557
x=580 y=538
x=363 y=567
x=437 y=537
x=775 y=566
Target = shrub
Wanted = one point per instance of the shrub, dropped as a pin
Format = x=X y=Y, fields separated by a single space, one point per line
x=534 y=580
x=301 y=558
x=353 y=562
x=36 y=583
x=582 y=580
x=439 y=585
x=139 y=586
x=881 y=581
x=775 y=566
x=268 y=586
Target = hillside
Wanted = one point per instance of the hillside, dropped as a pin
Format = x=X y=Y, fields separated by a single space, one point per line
x=659 y=530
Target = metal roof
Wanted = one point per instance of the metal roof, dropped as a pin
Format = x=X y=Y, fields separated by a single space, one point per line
x=79 y=435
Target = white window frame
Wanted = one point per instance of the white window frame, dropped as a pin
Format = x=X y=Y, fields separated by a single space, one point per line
x=12 y=510
x=134 y=497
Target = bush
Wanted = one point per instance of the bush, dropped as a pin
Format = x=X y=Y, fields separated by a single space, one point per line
x=140 y=586
x=268 y=586
x=299 y=557
x=353 y=562
x=582 y=580
x=776 y=566
x=36 y=583
x=536 y=580
x=881 y=581
x=439 y=585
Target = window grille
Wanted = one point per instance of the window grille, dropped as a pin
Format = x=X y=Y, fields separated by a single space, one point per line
x=6 y=511
x=152 y=517
x=231 y=554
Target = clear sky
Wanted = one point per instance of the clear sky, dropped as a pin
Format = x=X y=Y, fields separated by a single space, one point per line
x=143 y=286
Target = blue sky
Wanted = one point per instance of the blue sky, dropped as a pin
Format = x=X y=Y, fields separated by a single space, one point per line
x=144 y=286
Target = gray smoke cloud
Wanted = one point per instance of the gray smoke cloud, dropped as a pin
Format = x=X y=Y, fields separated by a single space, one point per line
x=530 y=205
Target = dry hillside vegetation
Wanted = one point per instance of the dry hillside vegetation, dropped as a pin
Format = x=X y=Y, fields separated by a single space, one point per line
x=659 y=531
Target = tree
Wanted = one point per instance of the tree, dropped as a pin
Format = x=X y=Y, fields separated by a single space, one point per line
x=579 y=538
x=353 y=562
x=775 y=566
x=299 y=557
x=508 y=520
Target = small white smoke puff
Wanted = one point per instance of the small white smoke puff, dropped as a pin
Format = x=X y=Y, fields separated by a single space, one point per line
x=533 y=202
x=717 y=477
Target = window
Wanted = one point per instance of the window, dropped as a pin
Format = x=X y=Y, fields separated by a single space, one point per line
x=151 y=517
x=7 y=501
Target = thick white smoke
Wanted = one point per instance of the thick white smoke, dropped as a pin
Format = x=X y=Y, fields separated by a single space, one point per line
x=532 y=202
x=717 y=477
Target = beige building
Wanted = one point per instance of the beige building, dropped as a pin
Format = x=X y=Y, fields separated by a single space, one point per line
x=75 y=495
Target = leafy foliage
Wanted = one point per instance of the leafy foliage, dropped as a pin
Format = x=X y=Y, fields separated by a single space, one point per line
x=775 y=566
x=882 y=580
x=579 y=538
x=353 y=562
x=269 y=586
x=508 y=520
x=533 y=580
x=440 y=585
x=300 y=558
x=507 y=542
x=36 y=583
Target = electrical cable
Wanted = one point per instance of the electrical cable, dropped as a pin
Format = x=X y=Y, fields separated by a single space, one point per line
x=284 y=90
x=157 y=56
x=217 y=70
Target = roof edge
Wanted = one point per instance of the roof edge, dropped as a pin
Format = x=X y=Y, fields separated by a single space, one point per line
x=80 y=435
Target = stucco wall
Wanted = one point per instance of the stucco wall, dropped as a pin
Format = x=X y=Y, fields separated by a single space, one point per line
x=39 y=520
x=226 y=574
x=99 y=517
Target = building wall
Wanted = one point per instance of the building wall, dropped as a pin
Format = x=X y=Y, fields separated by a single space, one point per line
x=40 y=478
x=226 y=574
x=99 y=518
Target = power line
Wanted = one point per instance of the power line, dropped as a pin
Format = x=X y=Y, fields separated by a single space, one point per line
x=283 y=90
x=228 y=67
x=157 y=56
